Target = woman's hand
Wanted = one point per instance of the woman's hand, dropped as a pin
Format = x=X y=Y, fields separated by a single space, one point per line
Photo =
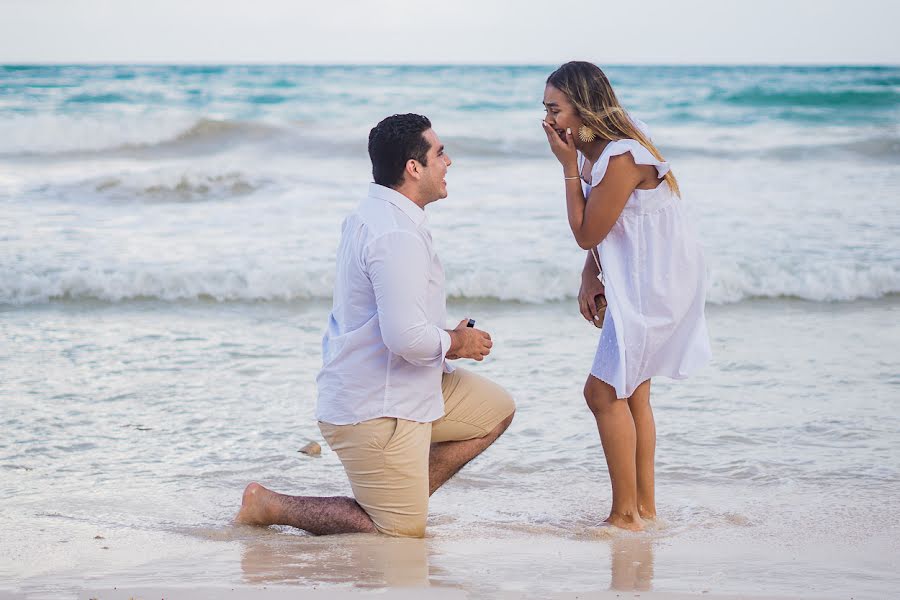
x=564 y=150
x=587 y=295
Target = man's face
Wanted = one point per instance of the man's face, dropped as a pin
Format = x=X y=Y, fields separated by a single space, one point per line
x=433 y=184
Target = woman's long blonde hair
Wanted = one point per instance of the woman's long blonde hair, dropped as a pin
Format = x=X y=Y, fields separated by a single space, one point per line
x=590 y=92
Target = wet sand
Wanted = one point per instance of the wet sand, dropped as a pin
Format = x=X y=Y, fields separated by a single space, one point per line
x=127 y=464
x=284 y=593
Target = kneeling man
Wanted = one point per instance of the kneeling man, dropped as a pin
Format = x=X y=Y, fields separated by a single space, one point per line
x=399 y=417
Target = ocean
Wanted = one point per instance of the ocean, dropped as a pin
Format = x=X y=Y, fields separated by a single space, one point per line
x=167 y=243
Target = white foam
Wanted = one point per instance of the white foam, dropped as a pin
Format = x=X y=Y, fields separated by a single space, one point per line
x=20 y=285
x=178 y=185
x=183 y=132
x=166 y=283
x=821 y=284
x=46 y=133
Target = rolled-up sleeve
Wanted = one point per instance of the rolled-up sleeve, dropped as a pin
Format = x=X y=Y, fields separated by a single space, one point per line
x=398 y=265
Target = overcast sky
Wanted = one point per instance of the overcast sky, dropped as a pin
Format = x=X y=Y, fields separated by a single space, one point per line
x=451 y=31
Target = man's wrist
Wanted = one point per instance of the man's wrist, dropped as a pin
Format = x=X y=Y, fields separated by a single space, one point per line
x=455 y=341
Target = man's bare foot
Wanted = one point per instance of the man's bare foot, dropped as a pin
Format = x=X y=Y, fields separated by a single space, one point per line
x=256 y=506
x=631 y=522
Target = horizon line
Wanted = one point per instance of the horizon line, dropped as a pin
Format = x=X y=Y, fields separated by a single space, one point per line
x=424 y=64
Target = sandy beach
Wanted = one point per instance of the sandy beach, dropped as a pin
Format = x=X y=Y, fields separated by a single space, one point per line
x=737 y=520
x=166 y=279
x=360 y=566
x=276 y=593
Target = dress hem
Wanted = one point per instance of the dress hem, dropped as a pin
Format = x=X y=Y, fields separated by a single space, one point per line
x=628 y=394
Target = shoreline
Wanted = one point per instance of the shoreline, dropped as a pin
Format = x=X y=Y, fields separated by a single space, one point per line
x=167 y=413
x=289 y=593
x=672 y=564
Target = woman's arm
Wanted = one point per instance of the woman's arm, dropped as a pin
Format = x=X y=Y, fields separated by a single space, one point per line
x=590 y=269
x=591 y=287
x=592 y=219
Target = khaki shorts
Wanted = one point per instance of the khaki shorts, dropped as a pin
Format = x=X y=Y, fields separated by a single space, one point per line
x=386 y=459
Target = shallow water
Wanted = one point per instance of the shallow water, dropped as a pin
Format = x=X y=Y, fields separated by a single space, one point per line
x=777 y=468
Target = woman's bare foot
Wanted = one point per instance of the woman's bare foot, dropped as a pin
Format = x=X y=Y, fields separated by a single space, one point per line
x=647 y=515
x=631 y=522
x=256 y=506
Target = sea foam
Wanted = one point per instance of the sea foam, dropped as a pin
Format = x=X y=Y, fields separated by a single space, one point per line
x=292 y=282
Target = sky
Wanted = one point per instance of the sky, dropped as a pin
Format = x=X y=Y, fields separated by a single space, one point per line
x=450 y=31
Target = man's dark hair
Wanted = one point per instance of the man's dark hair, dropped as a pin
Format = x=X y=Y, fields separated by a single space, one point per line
x=394 y=141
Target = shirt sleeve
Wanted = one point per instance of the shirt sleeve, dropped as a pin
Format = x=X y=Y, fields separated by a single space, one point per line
x=398 y=265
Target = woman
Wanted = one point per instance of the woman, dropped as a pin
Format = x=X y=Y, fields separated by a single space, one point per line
x=624 y=206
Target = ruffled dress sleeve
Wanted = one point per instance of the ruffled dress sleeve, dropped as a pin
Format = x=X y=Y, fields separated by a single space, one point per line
x=641 y=156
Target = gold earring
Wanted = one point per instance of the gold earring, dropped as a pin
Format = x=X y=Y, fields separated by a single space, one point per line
x=586 y=134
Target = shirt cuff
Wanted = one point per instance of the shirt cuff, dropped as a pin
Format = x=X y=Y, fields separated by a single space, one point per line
x=445 y=348
x=445 y=343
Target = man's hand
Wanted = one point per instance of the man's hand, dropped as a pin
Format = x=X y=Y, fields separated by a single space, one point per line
x=468 y=342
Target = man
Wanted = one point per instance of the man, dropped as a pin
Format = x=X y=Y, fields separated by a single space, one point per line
x=401 y=420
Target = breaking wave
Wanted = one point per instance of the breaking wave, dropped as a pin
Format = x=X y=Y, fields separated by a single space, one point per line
x=286 y=282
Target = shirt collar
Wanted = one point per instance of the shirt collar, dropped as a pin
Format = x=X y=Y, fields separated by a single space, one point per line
x=409 y=208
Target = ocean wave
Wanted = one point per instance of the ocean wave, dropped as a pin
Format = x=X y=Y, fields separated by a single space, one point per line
x=173 y=186
x=71 y=137
x=184 y=136
x=537 y=285
x=108 y=98
x=211 y=134
x=176 y=184
x=878 y=148
x=884 y=147
x=268 y=99
x=45 y=134
x=166 y=283
x=730 y=284
x=832 y=98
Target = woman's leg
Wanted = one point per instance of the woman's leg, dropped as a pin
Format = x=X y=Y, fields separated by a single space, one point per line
x=617 y=434
x=645 y=428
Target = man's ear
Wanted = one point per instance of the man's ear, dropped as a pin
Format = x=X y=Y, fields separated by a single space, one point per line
x=412 y=168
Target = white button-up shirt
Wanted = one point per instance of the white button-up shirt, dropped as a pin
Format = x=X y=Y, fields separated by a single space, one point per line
x=383 y=352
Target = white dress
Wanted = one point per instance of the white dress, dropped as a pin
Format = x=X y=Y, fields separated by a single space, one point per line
x=655 y=279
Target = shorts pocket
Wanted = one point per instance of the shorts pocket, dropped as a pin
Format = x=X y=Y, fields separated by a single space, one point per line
x=385 y=433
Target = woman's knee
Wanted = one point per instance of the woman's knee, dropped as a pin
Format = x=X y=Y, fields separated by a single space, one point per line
x=599 y=396
x=640 y=399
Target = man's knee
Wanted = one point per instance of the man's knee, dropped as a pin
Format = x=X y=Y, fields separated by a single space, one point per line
x=410 y=526
x=504 y=424
x=416 y=528
x=507 y=407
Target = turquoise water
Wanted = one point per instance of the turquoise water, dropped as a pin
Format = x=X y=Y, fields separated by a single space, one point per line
x=167 y=243
x=709 y=95
x=806 y=157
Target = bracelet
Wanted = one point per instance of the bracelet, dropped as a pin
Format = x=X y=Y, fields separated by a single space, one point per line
x=575 y=177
